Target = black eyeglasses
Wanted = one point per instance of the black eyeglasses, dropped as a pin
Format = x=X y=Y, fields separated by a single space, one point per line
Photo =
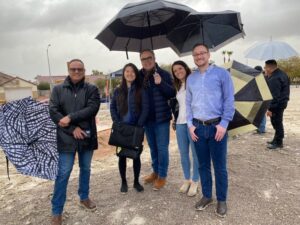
x=146 y=59
x=76 y=69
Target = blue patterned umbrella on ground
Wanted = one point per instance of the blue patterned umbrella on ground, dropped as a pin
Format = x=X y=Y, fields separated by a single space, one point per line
x=28 y=138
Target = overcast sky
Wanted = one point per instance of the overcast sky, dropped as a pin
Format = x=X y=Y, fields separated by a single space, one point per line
x=70 y=26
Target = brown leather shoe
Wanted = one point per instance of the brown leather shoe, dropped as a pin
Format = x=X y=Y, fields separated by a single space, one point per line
x=56 y=220
x=150 y=178
x=159 y=183
x=88 y=204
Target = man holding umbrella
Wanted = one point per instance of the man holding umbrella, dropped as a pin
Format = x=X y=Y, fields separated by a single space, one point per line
x=279 y=85
x=73 y=107
x=158 y=85
x=210 y=107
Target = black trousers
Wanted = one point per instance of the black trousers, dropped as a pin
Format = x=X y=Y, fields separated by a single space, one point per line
x=277 y=123
x=136 y=168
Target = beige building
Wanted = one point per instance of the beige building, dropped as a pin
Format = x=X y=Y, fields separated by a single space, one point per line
x=13 y=88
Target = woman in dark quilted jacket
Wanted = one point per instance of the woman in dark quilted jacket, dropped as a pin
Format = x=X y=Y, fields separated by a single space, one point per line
x=130 y=105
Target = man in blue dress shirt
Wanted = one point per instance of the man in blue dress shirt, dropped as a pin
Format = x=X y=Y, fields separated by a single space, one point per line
x=210 y=107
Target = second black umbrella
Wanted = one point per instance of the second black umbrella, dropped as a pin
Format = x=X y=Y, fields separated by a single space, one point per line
x=215 y=29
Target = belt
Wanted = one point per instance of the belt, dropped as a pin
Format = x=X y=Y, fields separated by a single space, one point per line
x=208 y=122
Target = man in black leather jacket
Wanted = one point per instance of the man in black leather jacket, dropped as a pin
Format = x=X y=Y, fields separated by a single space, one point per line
x=73 y=107
x=279 y=85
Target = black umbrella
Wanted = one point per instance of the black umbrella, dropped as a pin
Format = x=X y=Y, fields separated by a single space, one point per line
x=252 y=97
x=143 y=25
x=215 y=29
x=28 y=138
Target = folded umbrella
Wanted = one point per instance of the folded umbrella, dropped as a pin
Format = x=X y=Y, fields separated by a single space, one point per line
x=252 y=98
x=28 y=138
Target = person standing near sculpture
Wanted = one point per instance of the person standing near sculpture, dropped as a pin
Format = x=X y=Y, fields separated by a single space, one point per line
x=279 y=85
x=210 y=108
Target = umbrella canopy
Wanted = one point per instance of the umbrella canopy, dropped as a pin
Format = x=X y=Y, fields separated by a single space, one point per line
x=270 y=50
x=143 y=25
x=252 y=97
x=28 y=138
x=117 y=73
x=214 y=29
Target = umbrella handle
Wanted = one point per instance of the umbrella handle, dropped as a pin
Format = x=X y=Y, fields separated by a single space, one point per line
x=7 y=167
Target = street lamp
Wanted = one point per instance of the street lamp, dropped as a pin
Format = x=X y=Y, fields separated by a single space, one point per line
x=49 y=67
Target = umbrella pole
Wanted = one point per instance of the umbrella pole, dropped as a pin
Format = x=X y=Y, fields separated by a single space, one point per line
x=126 y=48
x=148 y=20
x=202 y=32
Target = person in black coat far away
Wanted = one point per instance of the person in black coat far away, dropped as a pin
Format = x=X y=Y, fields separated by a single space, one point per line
x=279 y=85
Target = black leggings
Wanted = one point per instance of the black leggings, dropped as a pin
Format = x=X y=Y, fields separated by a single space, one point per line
x=136 y=168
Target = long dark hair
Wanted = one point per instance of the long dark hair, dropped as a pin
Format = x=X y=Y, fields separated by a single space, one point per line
x=188 y=71
x=123 y=91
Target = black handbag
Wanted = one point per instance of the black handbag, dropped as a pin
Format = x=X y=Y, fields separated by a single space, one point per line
x=129 y=153
x=126 y=136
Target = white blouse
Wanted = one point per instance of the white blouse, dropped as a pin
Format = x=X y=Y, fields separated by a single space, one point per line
x=180 y=96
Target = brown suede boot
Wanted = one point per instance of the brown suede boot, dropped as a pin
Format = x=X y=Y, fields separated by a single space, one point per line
x=159 y=183
x=56 y=220
x=88 y=204
x=150 y=178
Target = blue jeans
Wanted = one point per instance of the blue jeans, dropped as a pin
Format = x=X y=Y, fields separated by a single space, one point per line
x=207 y=149
x=158 y=137
x=185 y=141
x=262 y=125
x=65 y=166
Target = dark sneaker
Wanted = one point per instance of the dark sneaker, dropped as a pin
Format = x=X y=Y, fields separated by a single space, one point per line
x=221 y=209
x=203 y=203
x=259 y=132
x=274 y=146
x=88 y=204
x=138 y=187
x=124 y=188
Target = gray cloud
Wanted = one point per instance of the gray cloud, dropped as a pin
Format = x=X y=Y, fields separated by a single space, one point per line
x=27 y=27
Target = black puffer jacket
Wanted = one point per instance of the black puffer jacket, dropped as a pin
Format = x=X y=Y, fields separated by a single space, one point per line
x=279 y=85
x=81 y=102
x=159 y=96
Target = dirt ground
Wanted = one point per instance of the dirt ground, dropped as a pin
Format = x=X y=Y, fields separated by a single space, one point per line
x=264 y=186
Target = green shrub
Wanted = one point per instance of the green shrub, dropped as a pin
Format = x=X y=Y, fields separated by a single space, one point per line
x=43 y=86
